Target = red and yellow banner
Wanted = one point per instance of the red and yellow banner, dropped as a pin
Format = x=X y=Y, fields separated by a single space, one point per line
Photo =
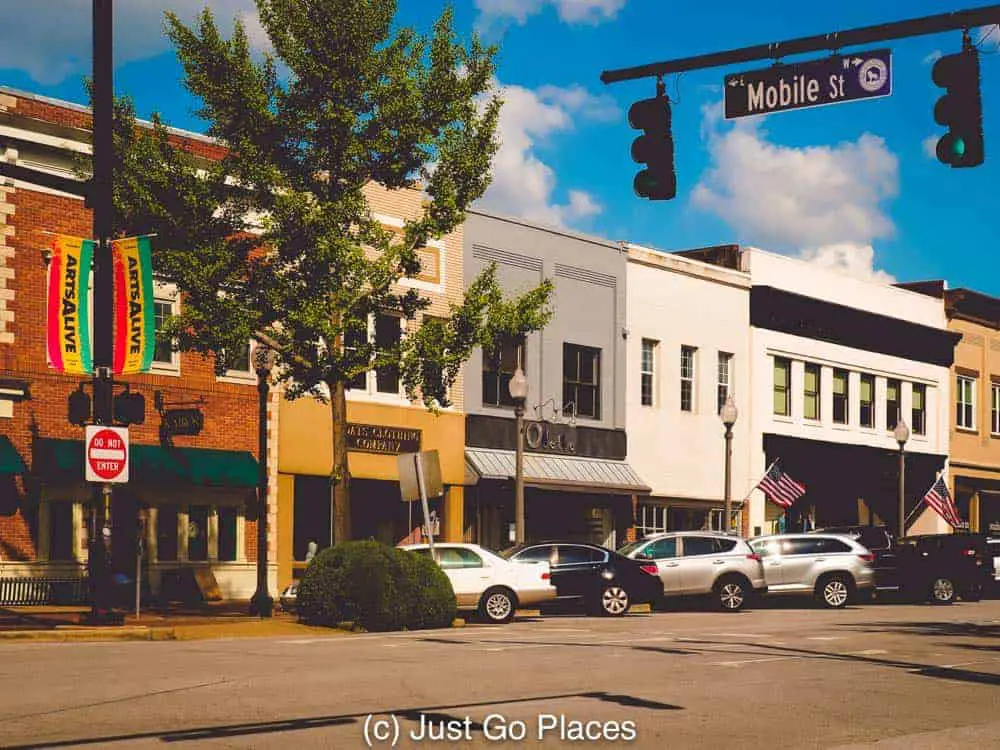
x=68 y=319
x=135 y=325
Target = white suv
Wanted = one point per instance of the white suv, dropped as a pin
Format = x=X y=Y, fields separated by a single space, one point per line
x=832 y=567
x=702 y=562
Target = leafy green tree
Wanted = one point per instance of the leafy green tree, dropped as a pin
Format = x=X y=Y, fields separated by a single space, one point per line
x=272 y=237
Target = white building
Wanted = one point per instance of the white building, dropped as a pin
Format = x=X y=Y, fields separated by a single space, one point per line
x=834 y=360
x=688 y=348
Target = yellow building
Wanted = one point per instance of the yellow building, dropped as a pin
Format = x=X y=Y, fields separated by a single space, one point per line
x=974 y=453
x=382 y=423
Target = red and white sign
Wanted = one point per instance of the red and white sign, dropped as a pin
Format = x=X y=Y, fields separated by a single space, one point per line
x=106 y=454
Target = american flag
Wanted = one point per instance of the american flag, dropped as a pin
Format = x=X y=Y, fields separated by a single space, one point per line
x=940 y=500
x=781 y=488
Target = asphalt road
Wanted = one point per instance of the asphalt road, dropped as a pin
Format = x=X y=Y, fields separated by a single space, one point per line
x=912 y=676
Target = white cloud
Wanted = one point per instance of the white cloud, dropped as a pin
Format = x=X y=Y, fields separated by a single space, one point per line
x=570 y=11
x=823 y=203
x=576 y=98
x=524 y=185
x=53 y=39
x=930 y=146
x=933 y=57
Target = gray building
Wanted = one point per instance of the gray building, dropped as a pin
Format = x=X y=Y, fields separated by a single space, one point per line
x=578 y=485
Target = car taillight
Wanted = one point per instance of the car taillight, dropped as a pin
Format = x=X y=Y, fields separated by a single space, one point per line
x=651 y=569
x=868 y=557
x=753 y=556
x=546 y=576
x=969 y=553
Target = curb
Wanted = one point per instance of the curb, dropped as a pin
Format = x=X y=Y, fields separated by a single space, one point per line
x=73 y=633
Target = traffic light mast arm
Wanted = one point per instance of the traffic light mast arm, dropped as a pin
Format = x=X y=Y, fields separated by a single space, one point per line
x=959 y=19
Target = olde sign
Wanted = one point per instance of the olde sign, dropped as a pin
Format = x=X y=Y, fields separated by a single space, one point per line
x=375 y=438
x=550 y=437
x=183 y=421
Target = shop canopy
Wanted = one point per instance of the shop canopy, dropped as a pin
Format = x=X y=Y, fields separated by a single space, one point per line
x=554 y=472
x=10 y=459
x=157 y=463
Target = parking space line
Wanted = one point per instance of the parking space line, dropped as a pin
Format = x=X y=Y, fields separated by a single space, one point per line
x=826 y=638
x=866 y=652
x=753 y=661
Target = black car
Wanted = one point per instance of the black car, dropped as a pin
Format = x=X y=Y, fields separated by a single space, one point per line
x=602 y=580
x=938 y=567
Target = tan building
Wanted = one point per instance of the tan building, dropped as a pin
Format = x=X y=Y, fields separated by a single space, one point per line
x=974 y=455
x=382 y=423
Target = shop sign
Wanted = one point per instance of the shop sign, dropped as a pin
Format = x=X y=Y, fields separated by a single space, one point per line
x=550 y=437
x=374 y=438
x=183 y=421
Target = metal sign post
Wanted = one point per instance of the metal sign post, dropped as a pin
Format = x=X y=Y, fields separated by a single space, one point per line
x=423 y=502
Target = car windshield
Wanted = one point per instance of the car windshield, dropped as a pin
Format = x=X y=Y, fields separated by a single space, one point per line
x=625 y=549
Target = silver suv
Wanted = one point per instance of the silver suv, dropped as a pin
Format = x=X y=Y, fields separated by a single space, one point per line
x=702 y=562
x=832 y=567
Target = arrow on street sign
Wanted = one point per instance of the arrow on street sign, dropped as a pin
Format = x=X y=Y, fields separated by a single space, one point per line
x=830 y=80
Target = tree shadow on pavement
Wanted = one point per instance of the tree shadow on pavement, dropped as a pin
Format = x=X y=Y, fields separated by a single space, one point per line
x=938 y=628
x=223 y=731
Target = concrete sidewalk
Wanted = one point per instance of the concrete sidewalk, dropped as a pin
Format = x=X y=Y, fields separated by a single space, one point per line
x=174 y=622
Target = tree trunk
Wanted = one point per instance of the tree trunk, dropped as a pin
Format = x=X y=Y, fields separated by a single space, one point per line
x=340 y=477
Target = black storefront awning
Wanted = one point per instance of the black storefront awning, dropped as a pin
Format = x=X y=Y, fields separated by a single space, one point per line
x=836 y=475
x=154 y=464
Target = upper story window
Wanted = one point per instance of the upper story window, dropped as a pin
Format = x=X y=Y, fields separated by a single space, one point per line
x=867 y=398
x=893 y=391
x=782 y=387
x=387 y=331
x=725 y=383
x=687 y=377
x=164 y=357
x=811 y=400
x=647 y=371
x=499 y=368
x=995 y=409
x=582 y=380
x=841 y=393
x=965 y=406
x=918 y=411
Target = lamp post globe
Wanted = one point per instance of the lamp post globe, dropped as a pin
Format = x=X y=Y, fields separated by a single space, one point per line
x=518 y=387
x=728 y=414
x=902 y=434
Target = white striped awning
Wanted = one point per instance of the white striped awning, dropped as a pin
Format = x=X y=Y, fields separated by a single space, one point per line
x=566 y=473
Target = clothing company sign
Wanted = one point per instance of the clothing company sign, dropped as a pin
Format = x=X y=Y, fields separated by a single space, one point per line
x=550 y=437
x=831 y=80
x=374 y=438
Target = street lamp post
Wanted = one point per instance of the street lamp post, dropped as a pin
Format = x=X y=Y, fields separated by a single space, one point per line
x=902 y=434
x=519 y=392
x=729 y=414
x=264 y=359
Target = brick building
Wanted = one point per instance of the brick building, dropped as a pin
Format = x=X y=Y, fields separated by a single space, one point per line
x=196 y=492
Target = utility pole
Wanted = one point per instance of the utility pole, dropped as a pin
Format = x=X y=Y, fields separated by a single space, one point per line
x=99 y=555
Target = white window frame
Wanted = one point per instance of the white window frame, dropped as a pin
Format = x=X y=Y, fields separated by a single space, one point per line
x=370 y=392
x=427 y=286
x=242 y=376
x=725 y=364
x=970 y=405
x=653 y=347
x=647 y=515
x=692 y=378
x=995 y=408
x=164 y=292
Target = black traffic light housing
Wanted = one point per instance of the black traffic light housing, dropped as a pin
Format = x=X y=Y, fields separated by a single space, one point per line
x=79 y=407
x=960 y=109
x=654 y=148
x=130 y=408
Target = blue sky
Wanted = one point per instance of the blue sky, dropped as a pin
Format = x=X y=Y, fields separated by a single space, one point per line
x=853 y=186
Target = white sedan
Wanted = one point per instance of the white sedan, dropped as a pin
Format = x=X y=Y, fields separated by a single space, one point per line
x=486 y=583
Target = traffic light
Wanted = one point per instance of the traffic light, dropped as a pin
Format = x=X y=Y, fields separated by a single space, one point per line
x=654 y=148
x=130 y=408
x=960 y=109
x=79 y=408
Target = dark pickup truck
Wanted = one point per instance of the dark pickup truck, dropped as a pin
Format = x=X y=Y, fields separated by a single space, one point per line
x=934 y=567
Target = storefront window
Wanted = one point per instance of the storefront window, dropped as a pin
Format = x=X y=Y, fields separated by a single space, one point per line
x=61 y=531
x=689 y=519
x=166 y=533
x=198 y=533
x=227 y=533
x=311 y=515
x=650 y=519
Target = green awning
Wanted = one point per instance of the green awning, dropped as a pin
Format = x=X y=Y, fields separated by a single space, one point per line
x=10 y=459
x=157 y=463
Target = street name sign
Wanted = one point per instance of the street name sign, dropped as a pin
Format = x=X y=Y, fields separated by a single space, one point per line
x=106 y=454
x=830 y=80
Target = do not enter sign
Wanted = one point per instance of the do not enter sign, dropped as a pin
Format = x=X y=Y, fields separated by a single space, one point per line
x=106 y=454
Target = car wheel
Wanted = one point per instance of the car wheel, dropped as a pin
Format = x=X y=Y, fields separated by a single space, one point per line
x=732 y=593
x=614 y=601
x=497 y=605
x=942 y=590
x=835 y=591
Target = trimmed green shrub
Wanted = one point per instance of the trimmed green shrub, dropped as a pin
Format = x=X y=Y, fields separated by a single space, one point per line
x=375 y=586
